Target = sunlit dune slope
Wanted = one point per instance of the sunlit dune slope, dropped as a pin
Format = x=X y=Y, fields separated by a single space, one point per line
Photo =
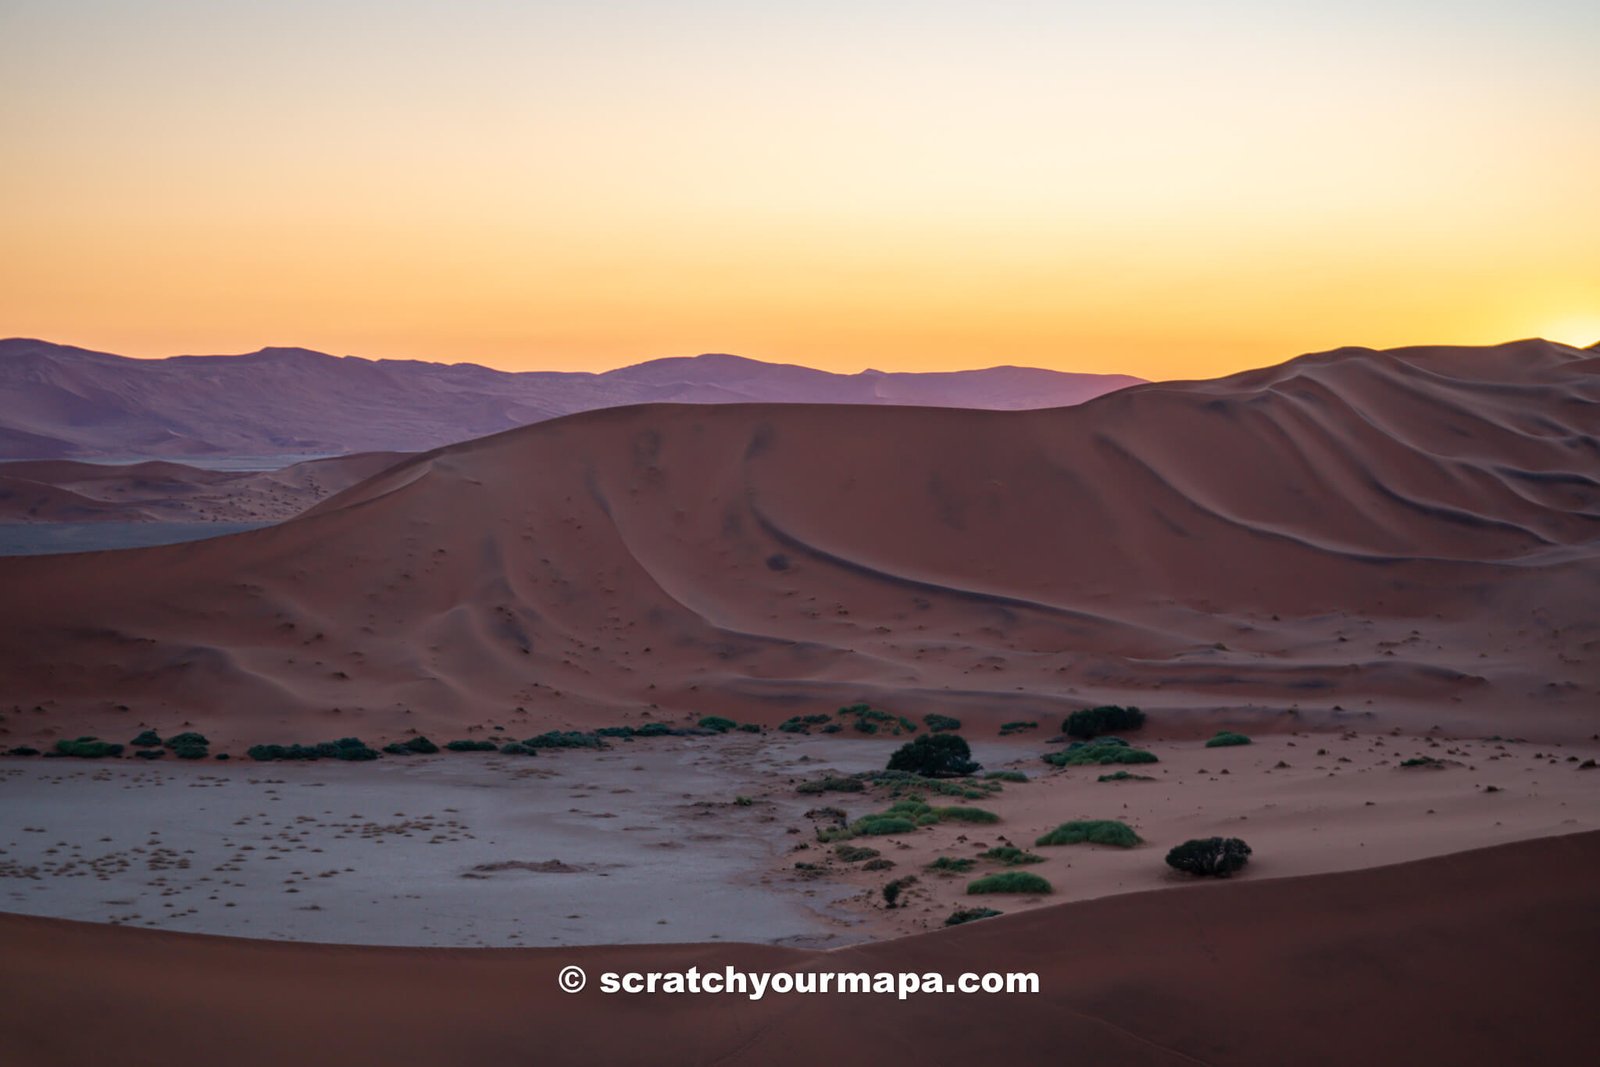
x=1388 y=534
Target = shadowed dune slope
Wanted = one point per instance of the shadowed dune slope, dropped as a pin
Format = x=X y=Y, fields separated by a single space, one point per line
x=1481 y=957
x=1354 y=533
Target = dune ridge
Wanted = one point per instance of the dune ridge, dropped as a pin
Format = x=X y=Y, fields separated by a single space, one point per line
x=1350 y=535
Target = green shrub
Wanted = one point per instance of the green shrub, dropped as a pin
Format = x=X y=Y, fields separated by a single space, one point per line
x=1091 y=831
x=570 y=739
x=960 y=814
x=148 y=739
x=892 y=891
x=717 y=723
x=831 y=784
x=22 y=750
x=750 y=727
x=940 y=723
x=1006 y=776
x=1012 y=856
x=1217 y=857
x=1227 y=739
x=189 y=738
x=878 y=863
x=871 y=720
x=1010 y=882
x=881 y=824
x=934 y=755
x=517 y=748
x=1007 y=728
x=421 y=746
x=952 y=865
x=854 y=853
x=614 y=731
x=1124 y=776
x=186 y=751
x=743 y=802
x=967 y=915
x=1099 y=752
x=1424 y=761
x=1110 y=718
x=649 y=729
x=88 y=748
x=152 y=753
x=471 y=746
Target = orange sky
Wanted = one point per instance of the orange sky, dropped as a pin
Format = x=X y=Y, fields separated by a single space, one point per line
x=1169 y=189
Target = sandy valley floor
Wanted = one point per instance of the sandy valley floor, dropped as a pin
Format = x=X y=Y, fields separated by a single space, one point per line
x=647 y=842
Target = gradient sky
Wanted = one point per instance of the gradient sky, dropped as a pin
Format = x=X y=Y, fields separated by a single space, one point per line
x=1170 y=189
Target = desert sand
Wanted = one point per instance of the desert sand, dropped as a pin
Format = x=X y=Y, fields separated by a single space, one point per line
x=1481 y=957
x=1357 y=558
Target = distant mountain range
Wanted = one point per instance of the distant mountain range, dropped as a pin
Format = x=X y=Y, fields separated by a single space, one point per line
x=57 y=401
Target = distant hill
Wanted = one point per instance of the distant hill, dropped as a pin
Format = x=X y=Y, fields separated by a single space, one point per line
x=57 y=401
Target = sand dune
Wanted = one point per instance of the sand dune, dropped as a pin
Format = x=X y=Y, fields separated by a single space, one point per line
x=46 y=491
x=1476 y=958
x=1401 y=538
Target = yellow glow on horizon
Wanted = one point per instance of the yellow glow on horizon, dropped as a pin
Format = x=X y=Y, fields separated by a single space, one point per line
x=1168 y=191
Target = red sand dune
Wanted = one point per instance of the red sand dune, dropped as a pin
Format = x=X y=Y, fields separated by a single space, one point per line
x=1482 y=957
x=1406 y=534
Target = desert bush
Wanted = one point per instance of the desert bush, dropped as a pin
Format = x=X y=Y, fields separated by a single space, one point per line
x=517 y=748
x=750 y=727
x=88 y=748
x=1012 y=856
x=871 y=720
x=1103 y=751
x=934 y=755
x=892 y=891
x=880 y=824
x=186 y=751
x=1006 y=776
x=614 y=731
x=952 y=864
x=1424 y=761
x=940 y=723
x=1010 y=882
x=1007 y=728
x=963 y=814
x=147 y=739
x=878 y=863
x=1109 y=718
x=471 y=746
x=854 y=853
x=1227 y=739
x=150 y=753
x=189 y=738
x=419 y=746
x=652 y=729
x=831 y=784
x=717 y=723
x=22 y=750
x=1217 y=857
x=569 y=739
x=1093 y=832
x=742 y=802
x=1124 y=776
x=967 y=915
